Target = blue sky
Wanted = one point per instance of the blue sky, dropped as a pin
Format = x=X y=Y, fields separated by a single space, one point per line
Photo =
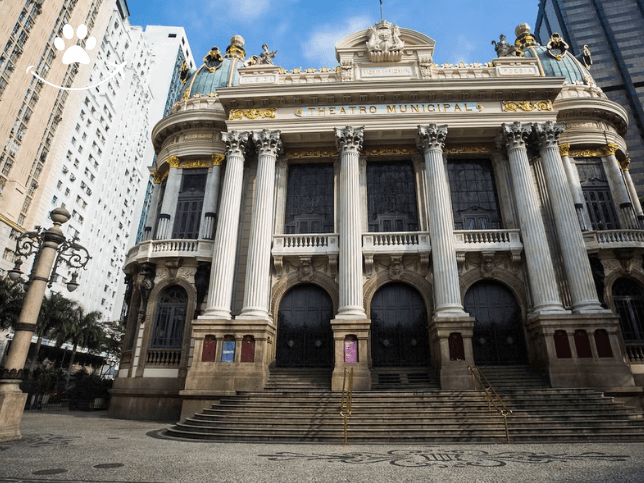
x=304 y=32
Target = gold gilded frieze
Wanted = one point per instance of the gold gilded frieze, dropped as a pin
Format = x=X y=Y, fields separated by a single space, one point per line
x=390 y=150
x=527 y=106
x=253 y=114
x=596 y=152
x=299 y=153
x=478 y=149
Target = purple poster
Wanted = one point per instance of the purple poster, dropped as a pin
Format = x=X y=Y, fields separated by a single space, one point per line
x=228 y=354
x=351 y=351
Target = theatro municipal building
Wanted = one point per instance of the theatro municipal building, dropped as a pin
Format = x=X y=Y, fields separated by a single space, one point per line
x=390 y=215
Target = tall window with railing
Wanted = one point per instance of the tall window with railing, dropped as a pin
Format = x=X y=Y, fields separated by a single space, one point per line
x=629 y=302
x=309 y=199
x=596 y=189
x=190 y=204
x=475 y=203
x=391 y=197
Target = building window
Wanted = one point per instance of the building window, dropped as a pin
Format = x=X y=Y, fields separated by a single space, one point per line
x=189 y=205
x=391 y=197
x=599 y=201
x=309 y=199
x=474 y=199
x=170 y=317
x=629 y=302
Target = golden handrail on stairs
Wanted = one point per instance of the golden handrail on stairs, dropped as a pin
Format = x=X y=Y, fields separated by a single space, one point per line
x=498 y=403
x=347 y=396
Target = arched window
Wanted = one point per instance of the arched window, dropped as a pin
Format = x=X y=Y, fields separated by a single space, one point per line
x=629 y=302
x=171 y=315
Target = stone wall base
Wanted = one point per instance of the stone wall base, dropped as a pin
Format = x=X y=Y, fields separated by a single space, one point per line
x=345 y=330
x=146 y=398
x=12 y=405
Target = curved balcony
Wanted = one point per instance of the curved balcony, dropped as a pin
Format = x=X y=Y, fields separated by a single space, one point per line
x=612 y=239
x=155 y=249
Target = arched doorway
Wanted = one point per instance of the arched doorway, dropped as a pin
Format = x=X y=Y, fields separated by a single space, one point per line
x=629 y=302
x=498 y=337
x=399 y=335
x=304 y=333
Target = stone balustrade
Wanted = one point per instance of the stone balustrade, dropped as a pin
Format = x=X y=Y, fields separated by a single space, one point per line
x=311 y=244
x=610 y=239
x=488 y=241
x=148 y=250
x=396 y=244
x=635 y=353
x=163 y=357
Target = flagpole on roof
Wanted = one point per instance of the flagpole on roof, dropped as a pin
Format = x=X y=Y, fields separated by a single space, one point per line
x=381 y=17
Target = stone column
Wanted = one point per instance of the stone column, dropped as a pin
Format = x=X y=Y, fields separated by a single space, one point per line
x=281 y=185
x=447 y=292
x=625 y=165
x=541 y=274
x=576 y=190
x=575 y=257
x=256 y=292
x=349 y=142
x=209 y=210
x=618 y=187
x=223 y=260
x=152 y=210
x=170 y=197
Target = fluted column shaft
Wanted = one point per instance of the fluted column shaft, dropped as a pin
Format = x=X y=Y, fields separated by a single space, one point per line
x=169 y=204
x=349 y=142
x=225 y=246
x=447 y=292
x=618 y=187
x=571 y=242
x=575 y=187
x=209 y=210
x=625 y=165
x=541 y=274
x=255 y=306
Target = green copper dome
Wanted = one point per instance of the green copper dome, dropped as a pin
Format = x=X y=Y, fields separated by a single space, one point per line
x=217 y=71
x=555 y=58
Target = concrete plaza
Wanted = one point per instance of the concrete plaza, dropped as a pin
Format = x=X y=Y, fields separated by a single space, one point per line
x=89 y=447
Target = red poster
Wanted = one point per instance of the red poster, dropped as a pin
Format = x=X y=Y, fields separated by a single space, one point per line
x=209 y=346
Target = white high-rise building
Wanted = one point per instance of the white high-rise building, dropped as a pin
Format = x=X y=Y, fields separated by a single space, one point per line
x=104 y=151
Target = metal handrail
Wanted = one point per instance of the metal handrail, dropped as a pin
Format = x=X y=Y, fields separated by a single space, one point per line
x=347 y=397
x=503 y=409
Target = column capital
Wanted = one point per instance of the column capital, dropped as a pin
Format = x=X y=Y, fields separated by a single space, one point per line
x=431 y=137
x=514 y=135
x=349 y=139
x=625 y=164
x=268 y=142
x=235 y=142
x=173 y=161
x=610 y=149
x=217 y=159
x=564 y=149
x=547 y=133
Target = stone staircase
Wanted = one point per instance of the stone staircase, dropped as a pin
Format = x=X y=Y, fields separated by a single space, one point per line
x=289 y=410
x=404 y=379
x=505 y=378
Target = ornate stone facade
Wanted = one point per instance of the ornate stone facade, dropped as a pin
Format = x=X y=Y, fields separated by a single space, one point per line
x=352 y=198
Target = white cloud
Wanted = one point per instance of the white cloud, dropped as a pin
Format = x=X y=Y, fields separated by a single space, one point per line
x=465 y=49
x=320 y=47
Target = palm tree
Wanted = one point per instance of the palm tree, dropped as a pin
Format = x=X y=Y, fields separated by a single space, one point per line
x=55 y=310
x=12 y=296
x=82 y=329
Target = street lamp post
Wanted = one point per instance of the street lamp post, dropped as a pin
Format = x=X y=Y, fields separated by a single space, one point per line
x=50 y=248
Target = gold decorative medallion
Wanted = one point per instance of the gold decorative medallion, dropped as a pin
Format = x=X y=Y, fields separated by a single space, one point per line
x=218 y=159
x=253 y=114
x=564 y=149
x=527 y=106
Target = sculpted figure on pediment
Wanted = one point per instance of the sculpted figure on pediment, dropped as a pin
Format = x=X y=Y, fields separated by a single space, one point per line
x=384 y=42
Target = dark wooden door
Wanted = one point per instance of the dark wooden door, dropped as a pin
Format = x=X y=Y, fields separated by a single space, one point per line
x=399 y=334
x=498 y=337
x=304 y=334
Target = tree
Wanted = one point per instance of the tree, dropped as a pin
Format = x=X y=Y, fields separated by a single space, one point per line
x=81 y=329
x=12 y=296
x=55 y=310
